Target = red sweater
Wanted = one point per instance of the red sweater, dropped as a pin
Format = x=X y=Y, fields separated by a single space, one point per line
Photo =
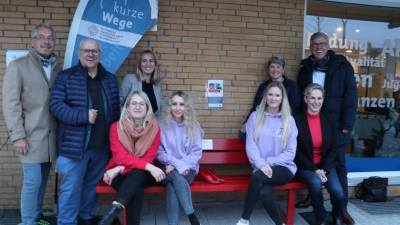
x=314 y=122
x=121 y=157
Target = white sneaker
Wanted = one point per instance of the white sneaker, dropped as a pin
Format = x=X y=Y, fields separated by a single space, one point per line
x=240 y=223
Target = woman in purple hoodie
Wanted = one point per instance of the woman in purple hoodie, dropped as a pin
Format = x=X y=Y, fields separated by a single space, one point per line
x=271 y=148
x=179 y=153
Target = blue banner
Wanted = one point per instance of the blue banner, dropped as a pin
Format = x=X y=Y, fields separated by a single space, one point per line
x=117 y=25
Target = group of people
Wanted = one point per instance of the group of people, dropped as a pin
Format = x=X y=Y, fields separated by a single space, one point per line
x=310 y=145
x=130 y=138
x=98 y=131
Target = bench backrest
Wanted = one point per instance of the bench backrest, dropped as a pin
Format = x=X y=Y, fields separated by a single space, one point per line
x=225 y=151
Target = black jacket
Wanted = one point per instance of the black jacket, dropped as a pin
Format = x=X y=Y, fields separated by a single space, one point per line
x=305 y=154
x=341 y=97
x=292 y=91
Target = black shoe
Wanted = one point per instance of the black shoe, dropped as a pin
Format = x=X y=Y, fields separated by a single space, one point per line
x=337 y=221
x=41 y=220
x=108 y=219
x=303 y=203
x=86 y=222
x=44 y=222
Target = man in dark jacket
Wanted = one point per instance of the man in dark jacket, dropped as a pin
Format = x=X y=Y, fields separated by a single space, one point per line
x=336 y=75
x=85 y=101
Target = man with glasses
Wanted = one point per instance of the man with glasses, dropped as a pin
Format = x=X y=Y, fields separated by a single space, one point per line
x=336 y=75
x=85 y=101
x=31 y=126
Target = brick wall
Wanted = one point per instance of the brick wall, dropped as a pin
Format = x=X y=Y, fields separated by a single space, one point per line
x=196 y=40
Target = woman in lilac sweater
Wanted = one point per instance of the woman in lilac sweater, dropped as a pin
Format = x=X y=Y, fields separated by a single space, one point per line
x=271 y=148
x=179 y=153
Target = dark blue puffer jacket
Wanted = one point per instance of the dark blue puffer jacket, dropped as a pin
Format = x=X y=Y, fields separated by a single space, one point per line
x=69 y=103
x=341 y=98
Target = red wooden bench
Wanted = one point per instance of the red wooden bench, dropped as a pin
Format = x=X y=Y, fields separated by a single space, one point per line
x=225 y=151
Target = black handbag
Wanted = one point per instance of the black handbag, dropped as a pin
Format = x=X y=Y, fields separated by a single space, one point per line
x=372 y=189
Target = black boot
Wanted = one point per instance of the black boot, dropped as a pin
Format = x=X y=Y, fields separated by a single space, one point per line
x=337 y=221
x=193 y=219
x=108 y=219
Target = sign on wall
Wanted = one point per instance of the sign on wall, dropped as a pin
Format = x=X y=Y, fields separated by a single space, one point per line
x=13 y=54
x=215 y=93
x=117 y=25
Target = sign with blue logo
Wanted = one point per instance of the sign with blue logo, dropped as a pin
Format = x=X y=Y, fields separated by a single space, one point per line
x=117 y=25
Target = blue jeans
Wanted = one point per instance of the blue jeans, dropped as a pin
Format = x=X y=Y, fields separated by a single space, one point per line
x=341 y=170
x=178 y=191
x=314 y=184
x=261 y=186
x=78 y=187
x=33 y=190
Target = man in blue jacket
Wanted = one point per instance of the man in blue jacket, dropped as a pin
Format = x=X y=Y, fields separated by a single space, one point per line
x=85 y=101
x=336 y=75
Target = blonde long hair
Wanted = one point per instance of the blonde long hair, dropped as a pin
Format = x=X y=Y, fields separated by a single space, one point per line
x=190 y=120
x=284 y=108
x=139 y=73
x=125 y=114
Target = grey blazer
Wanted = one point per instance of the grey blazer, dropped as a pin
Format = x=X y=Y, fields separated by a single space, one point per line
x=130 y=84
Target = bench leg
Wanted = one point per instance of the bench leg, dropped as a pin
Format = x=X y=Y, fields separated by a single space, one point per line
x=290 y=206
x=124 y=213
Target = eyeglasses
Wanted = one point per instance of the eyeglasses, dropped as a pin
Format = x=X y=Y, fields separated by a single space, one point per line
x=87 y=51
x=43 y=39
x=141 y=104
x=322 y=44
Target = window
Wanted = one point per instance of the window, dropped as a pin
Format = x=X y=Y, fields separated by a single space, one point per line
x=369 y=36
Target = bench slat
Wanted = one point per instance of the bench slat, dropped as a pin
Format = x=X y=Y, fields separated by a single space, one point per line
x=228 y=144
x=226 y=157
x=232 y=183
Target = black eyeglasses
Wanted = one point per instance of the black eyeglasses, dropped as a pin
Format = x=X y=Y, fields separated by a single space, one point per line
x=322 y=44
x=87 y=51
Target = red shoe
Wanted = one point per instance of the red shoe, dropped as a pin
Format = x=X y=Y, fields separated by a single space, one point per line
x=214 y=175
x=207 y=177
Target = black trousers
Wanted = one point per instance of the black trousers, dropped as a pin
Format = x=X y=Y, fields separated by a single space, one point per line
x=261 y=186
x=130 y=191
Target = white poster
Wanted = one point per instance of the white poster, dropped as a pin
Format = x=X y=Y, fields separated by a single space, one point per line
x=215 y=93
x=13 y=54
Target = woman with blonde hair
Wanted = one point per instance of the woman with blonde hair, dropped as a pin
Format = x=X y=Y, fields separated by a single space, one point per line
x=271 y=148
x=316 y=153
x=134 y=142
x=179 y=153
x=276 y=69
x=145 y=80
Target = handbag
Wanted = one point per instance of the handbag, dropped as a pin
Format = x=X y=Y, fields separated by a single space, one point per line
x=372 y=189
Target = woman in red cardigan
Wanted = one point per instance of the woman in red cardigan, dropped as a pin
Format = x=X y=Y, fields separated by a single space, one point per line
x=134 y=142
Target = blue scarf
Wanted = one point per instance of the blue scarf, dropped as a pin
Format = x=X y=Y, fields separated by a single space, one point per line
x=322 y=64
x=45 y=62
